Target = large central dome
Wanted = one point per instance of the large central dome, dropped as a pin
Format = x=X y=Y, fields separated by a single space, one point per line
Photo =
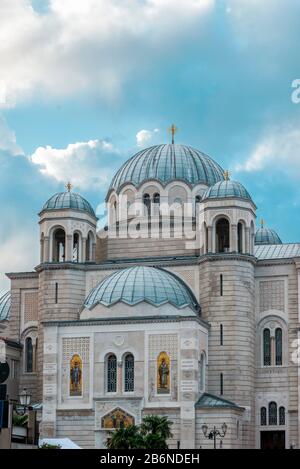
x=166 y=163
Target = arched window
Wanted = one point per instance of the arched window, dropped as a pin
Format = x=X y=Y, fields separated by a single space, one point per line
x=278 y=346
x=281 y=416
x=147 y=203
x=156 y=198
x=272 y=413
x=76 y=247
x=263 y=416
x=202 y=371
x=156 y=202
x=28 y=355
x=240 y=237
x=267 y=347
x=111 y=373
x=222 y=235
x=59 y=245
x=36 y=355
x=197 y=202
x=129 y=373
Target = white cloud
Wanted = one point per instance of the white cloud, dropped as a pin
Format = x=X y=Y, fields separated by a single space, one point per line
x=278 y=149
x=18 y=253
x=87 y=45
x=85 y=164
x=8 y=139
x=144 y=137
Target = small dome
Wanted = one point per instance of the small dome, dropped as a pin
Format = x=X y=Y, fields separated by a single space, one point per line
x=142 y=283
x=266 y=236
x=68 y=200
x=166 y=163
x=227 y=189
x=5 y=306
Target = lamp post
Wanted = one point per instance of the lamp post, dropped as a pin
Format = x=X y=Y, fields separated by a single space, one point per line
x=212 y=434
x=24 y=398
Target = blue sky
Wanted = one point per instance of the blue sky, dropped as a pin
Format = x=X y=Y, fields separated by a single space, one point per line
x=80 y=80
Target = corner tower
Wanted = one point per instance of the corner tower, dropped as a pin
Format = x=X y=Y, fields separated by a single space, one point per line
x=227 y=221
x=67 y=244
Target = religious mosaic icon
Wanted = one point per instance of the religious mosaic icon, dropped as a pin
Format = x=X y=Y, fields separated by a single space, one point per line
x=163 y=373
x=117 y=418
x=76 y=376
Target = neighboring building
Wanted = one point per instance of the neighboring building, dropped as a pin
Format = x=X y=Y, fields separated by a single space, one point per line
x=126 y=322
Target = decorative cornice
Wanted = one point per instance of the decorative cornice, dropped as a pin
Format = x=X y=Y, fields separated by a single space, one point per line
x=231 y=256
x=130 y=320
x=20 y=275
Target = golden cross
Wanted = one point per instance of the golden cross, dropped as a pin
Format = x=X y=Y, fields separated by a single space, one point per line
x=262 y=222
x=69 y=187
x=173 y=129
x=226 y=175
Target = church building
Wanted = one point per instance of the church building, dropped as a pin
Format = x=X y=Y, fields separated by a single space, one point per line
x=178 y=307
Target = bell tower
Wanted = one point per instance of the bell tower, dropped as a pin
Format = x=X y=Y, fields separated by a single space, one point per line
x=227 y=221
x=68 y=239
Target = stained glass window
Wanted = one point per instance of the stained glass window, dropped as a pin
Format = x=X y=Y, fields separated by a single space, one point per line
x=129 y=373
x=267 y=347
x=112 y=373
x=281 y=416
x=263 y=416
x=278 y=342
x=272 y=413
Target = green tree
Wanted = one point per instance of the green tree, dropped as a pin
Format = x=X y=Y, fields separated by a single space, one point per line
x=156 y=431
x=153 y=433
x=125 y=438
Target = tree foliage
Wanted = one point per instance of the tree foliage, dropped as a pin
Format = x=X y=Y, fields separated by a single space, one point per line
x=153 y=433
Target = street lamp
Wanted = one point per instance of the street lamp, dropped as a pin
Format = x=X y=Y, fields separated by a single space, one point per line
x=24 y=398
x=212 y=434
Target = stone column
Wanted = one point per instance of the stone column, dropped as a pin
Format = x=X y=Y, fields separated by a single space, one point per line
x=69 y=248
x=188 y=387
x=119 y=377
x=247 y=240
x=42 y=249
x=93 y=253
x=233 y=239
x=83 y=250
x=209 y=239
x=46 y=256
x=48 y=427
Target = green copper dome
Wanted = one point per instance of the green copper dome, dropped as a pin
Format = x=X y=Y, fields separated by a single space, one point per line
x=142 y=283
x=227 y=189
x=166 y=163
x=68 y=200
x=266 y=236
x=5 y=306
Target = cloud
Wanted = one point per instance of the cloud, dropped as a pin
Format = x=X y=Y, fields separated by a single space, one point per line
x=86 y=164
x=144 y=137
x=278 y=149
x=87 y=45
x=18 y=253
x=8 y=140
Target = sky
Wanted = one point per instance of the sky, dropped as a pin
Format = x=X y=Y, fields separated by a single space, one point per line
x=85 y=84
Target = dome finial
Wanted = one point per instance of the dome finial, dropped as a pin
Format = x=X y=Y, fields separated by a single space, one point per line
x=69 y=186
x=173 y=129
x=226 y=175
x=262 y=222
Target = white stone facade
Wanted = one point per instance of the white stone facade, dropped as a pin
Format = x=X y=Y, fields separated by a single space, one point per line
x=229 y=353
